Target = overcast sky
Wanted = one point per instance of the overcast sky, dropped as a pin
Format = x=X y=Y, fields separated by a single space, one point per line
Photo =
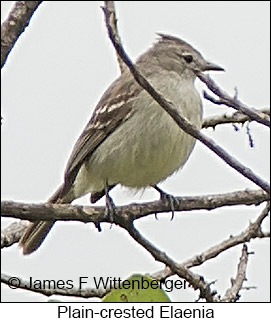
x=51 y=83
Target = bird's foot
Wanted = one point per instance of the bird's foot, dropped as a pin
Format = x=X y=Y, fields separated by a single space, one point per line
x=110 y=208
x=168 y=199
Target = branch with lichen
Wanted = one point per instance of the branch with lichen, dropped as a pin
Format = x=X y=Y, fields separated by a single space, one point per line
x=15 y=24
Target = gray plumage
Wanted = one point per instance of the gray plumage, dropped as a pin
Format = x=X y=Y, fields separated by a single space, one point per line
x=130 y=140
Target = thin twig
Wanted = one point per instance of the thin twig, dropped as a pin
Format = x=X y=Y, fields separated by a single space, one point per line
x=232 y=294
x=15 y=283
x=248 y=287
x=253 y=231
x=113 y=23
x=196 y=281
x=180 y=120
x=234 y=103
x=236 y=117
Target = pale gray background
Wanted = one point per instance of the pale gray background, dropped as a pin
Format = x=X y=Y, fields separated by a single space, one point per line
x=52 y=81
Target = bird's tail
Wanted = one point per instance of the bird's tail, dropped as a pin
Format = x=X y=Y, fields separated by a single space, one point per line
x=37 y=231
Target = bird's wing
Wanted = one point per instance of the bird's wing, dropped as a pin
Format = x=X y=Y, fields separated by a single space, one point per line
x=114 y=108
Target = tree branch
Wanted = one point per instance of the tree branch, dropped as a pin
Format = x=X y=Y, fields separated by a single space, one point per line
x=194 y=280
x=232 y=102
x=76 y=292
x=113 y=23
x=11 y=29
x=236 y=117
x=251 y=232
x=96 y=214
x=12 y=233
x=182 y=122
x=232 y=294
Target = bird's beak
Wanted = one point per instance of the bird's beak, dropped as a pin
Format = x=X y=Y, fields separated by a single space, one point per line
x=211 y=67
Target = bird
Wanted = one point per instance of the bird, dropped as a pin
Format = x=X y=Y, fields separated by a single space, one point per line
x=130 y=140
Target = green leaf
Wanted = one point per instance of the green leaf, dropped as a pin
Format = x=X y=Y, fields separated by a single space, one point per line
x=137 y=288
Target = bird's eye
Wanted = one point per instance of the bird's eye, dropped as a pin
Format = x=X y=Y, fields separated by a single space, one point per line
x=188 y=58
